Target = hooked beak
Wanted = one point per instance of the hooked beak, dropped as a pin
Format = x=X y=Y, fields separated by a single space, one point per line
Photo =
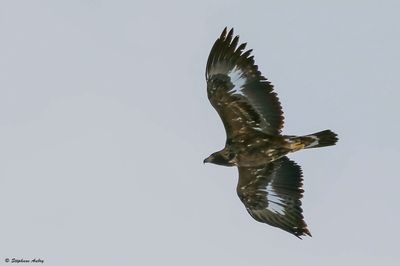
x=207 y=160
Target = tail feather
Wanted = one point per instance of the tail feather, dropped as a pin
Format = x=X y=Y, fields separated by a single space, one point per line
x=320 y=139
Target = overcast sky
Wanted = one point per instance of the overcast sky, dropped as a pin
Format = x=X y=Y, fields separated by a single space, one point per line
x=105 y=122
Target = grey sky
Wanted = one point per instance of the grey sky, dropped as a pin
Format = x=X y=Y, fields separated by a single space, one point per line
x=104 y=124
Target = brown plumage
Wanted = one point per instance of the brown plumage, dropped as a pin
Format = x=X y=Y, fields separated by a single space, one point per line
x=270 y=185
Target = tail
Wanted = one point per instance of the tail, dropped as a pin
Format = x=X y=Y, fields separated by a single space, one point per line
x=319 y=139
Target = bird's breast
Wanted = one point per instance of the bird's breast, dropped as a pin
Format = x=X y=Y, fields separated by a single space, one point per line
x=258 y=151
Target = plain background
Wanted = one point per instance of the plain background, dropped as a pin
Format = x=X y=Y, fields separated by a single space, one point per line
x=104 y=124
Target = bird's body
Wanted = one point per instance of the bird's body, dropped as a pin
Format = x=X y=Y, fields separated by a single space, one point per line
x=269 y=183
x=258 y=148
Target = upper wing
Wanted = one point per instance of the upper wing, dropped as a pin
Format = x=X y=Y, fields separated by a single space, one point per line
x=243 y=98
x=272 y=194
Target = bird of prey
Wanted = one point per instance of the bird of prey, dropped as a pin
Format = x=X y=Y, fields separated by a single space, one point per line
x=270 y=185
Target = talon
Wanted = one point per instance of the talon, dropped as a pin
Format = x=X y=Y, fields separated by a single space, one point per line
x=297 y=146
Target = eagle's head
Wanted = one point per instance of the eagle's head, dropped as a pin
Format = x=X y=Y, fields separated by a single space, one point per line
x=223 y=157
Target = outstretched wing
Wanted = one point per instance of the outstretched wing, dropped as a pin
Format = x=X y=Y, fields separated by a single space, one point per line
x=243 y=98
x=272 y=194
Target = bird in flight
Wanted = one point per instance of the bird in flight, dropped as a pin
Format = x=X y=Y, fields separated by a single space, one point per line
x=270 y=185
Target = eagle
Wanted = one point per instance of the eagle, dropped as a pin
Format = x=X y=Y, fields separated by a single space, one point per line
x=270 y=184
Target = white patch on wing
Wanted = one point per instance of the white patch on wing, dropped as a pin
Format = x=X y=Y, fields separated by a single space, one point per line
x=275 y=203
x=237 y=79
